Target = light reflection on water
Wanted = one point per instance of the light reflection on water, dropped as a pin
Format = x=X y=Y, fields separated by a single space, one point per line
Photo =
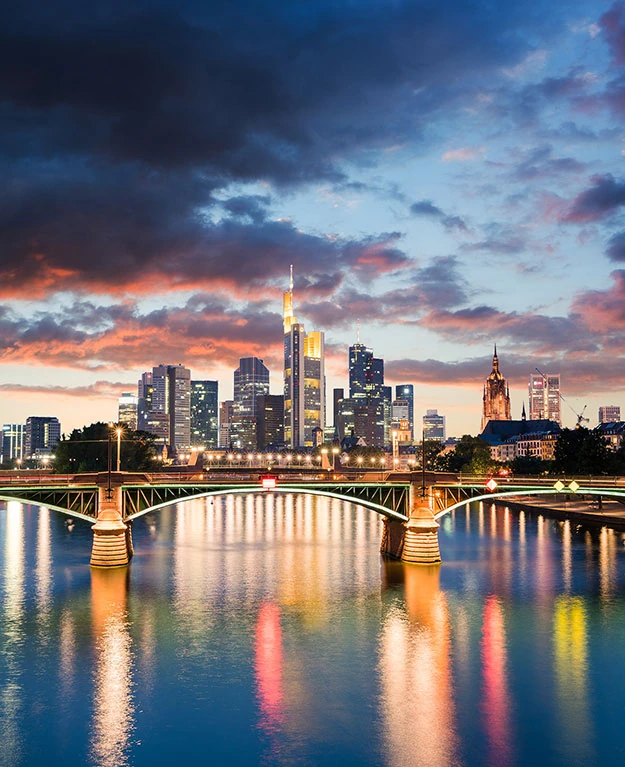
x=271 y=623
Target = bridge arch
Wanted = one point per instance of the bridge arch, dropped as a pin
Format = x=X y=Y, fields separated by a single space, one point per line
x=609 y=493
x=376 y=507
x=45 y=505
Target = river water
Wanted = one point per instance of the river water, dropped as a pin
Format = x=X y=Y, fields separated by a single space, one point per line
x=266 y=630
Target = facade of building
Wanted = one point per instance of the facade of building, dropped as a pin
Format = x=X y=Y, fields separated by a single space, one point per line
x=544 y=397
x=12 y=442
x=251 y=379
x=496 y=396
x=226 y=410
x=370 y=398
x=269 y=421
x=609 y=414
x=171 y=397
x=204 y=414
x=613 y=433
x=145 y=392
x=400 y=410
x=304 y=377
x=509 y=439
x=434 y=426
x=406 y=392
x=41 y=435
x=127 y=406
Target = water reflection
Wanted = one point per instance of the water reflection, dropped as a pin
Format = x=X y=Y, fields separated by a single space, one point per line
x=496 y=697
x=415 y=667
x=571 y=671
x=11 y=692
x=113 y=708
x=271 y=607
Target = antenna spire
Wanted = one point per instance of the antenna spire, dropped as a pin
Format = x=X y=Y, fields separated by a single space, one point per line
x=291 y=279
x=358 y=330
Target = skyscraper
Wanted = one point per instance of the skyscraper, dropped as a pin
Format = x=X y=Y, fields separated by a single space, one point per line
x=496 y=397
x=226 y=409
x=204 y=414
x=269 y=420
x=127 y=410
x=609 y=414
x=41 y=435
x=434 y=426
x=251 y=379
x=171 y=397
x=12 y=441
x=544 y=397
x=406 y=392
x=371 y=398
x=145 y=391
x=304 y=377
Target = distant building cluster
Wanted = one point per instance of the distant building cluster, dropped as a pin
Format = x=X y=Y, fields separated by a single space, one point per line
x=185 y=415
x=537 y=436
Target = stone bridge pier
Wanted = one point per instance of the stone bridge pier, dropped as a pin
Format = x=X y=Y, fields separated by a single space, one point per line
x=112 y=538
x=416 y=540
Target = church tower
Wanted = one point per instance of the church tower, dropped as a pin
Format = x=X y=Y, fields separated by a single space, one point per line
x=496 y=399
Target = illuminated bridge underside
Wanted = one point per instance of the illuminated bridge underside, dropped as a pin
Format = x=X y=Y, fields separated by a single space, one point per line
x=389 y=500
x=449 y=498
x=81 y=502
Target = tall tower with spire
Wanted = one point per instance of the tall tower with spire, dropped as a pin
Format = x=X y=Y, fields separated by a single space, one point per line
x=496 y=397
x=304 y=377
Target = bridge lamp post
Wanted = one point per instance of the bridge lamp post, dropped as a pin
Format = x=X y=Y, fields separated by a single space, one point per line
x=109 y=493
x=119 y=431
x=335 y=452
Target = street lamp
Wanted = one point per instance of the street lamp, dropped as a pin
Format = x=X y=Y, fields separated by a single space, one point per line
x=119 y=431
x=335 y=452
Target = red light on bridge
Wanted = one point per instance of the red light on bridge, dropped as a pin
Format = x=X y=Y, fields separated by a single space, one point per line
x=268 y=483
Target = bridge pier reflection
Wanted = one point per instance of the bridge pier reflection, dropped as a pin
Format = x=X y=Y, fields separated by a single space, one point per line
x=112 y=540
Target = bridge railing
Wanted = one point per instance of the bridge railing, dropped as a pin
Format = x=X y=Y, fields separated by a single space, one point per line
x=592 y=481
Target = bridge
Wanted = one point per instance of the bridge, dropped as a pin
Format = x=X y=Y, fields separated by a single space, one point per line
x=410 y=504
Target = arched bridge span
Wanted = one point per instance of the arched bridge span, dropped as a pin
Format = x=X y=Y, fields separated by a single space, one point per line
x=392 y=501
x=448 y=498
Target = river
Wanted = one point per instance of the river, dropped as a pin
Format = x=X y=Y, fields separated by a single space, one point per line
x=266 y=630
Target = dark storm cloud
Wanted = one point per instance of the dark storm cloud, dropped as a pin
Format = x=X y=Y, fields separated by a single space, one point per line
x=601 y=199
x=154 y=232
x=124 y=124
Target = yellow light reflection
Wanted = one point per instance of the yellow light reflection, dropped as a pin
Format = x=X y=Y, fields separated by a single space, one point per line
x=113 y=708
x=11 y=693
x=570 y=643
x=415 y=668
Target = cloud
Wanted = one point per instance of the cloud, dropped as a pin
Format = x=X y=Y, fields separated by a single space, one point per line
x=463 y=154
x=616 y=247
x=99 y=389
x=539 y=163
x=612 y=24
x=428 y=209
x=597 y=202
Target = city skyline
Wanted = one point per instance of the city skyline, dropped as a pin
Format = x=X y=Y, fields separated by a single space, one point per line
x=457 y=184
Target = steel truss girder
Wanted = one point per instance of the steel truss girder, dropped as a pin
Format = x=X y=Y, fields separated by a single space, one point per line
x=79 y=500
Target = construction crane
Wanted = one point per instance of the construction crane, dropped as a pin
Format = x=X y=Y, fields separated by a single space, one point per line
x=579 y=416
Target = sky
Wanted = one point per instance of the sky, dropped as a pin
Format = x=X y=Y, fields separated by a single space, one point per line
x=449 y=174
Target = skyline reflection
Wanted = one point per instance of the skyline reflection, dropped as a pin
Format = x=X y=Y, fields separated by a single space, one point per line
x=274 y=618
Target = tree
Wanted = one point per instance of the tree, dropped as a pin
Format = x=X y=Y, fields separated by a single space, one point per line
x=529 y=465
x=470 y=455
x=87 y=450
x=582 y=451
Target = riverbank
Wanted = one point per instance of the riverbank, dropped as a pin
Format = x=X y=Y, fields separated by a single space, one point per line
x=611 y=514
